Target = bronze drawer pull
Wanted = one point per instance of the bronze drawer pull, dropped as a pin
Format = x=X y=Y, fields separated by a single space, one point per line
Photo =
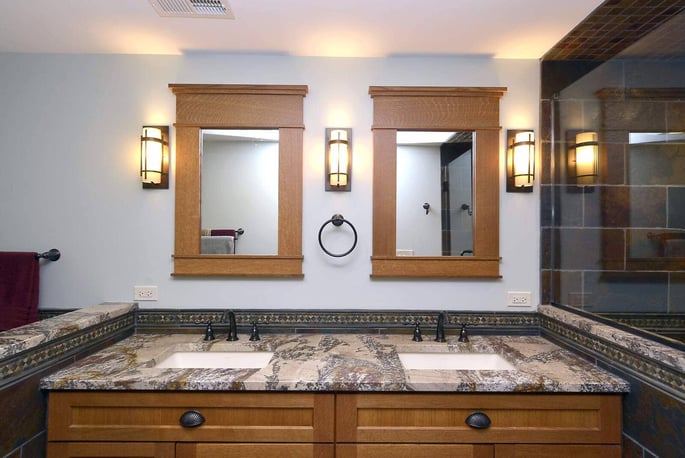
x=191 y=419
x=478 y=420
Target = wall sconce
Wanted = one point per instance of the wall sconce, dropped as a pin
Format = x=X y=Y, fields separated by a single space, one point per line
x=338 y=159
x=520 y=160
x=154 y=157
x=583 y=159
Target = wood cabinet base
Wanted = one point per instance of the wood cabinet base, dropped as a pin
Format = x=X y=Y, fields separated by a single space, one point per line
x=328 y=425
x=110 y=450
x=554 y=451
x=255 y=450
x=413 y=451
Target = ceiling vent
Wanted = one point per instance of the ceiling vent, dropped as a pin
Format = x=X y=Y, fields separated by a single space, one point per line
x=218 y=9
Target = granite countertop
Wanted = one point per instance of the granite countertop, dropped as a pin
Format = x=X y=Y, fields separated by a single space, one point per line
x=656 y=351
x=32 y=335
x=336 y=362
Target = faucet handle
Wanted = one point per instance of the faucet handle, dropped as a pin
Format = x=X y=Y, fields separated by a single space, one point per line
x=254 y=334
x=209 y=331
x=463 y=334
x=417 y=337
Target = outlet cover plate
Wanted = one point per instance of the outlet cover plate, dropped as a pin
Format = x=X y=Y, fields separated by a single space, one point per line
x=145 y=293
x=519 y=299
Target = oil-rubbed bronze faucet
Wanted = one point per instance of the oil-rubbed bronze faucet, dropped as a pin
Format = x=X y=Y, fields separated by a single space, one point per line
x=440 y=330
x=232 y=328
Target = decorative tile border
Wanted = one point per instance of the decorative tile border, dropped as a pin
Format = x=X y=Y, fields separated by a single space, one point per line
x=340 y=321
x=668 y=325
x=675 y=321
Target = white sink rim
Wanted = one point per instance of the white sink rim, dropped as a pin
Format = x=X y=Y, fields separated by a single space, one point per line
x=216 y=360
x=454 y=361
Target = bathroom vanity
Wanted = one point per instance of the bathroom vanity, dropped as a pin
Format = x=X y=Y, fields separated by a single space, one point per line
x=347 y=425
x=334 y=395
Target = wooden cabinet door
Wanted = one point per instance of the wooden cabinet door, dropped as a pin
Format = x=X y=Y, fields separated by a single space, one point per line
x=110 y=450
x=555 y=451
x=206 y=450
x=413 y=451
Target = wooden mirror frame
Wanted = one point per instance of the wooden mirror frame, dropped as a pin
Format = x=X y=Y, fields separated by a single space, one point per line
x=440 y=109
x=225 y=106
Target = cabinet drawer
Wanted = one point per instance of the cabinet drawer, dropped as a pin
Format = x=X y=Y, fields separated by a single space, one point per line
x=413 y=451
x=515 y=418
x=110 y=450
x=555 y=451
x=155 y=416
x=187 y=450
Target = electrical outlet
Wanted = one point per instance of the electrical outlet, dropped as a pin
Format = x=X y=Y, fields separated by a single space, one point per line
x=145 y=293
x=519 y=298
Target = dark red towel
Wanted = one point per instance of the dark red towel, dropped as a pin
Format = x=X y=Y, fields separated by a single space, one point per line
x=19 y=283
x=224 y=232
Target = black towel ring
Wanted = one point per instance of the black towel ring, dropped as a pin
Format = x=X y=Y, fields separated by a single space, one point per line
x=337 y=221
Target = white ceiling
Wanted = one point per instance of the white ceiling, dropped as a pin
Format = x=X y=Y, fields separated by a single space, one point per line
x=519 y=29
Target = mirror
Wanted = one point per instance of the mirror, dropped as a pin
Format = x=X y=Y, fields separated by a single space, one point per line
x=203 y=107
x=434 y=193
x=656 y=159
x=239 y=198
x=436 y=109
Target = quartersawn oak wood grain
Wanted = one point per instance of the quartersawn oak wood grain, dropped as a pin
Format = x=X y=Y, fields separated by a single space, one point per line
x=436 y=108
x=229 y=106
x=327 y=425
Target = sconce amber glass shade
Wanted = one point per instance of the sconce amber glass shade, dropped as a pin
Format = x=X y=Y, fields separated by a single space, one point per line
x=154 y=157
x=583 y=159
x=520 y=160
x=338 y=159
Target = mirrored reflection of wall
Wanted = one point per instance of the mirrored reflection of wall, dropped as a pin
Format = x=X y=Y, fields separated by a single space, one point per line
x=418 y=183
x=456 y=165
x=434 y=193
x=240 y=191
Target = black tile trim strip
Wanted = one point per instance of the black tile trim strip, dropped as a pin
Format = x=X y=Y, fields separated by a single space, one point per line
x=664 y=322
x=25 y=363
x=44 y=314
x=646 y=369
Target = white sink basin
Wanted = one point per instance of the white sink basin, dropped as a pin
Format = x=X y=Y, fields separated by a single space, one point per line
x=216 y=360
x=455 y=361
